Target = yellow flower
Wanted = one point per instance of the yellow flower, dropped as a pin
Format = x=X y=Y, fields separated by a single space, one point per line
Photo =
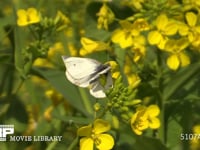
x=69 y=32
x=133 y=80
x=72 y=49
x=90 y=46
x=62 y=21
x=177 y=56
x=29 y=16
x=48 y=113
x=94 y=134
x=141 y=25
x=114 y=69
x=138 y=48
x=54 y=96
x=124 y=36
x=56 y=49
x=182 y=28
x=32 y=112
x=193 y=29
x=129 y=34
x=165 y=27
x=191 y=19
x=105 y=17
x=42 y=62
x=194 y=142
x=145 y=117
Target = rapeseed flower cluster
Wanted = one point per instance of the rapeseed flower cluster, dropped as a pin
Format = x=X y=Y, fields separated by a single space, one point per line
x=129 y=32
x=177 y=56
x=164 y=28
x=134 y=34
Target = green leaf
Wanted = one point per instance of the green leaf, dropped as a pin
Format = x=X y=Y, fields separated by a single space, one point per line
x=16 y=113
x=147 y=143
x=18 y=47
x=60 y=83
x=181 y=78
x=173 y=134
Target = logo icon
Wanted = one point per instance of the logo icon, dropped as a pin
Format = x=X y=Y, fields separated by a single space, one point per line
x=5 y=130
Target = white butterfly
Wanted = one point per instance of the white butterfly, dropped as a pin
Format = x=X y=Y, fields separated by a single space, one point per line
x=85 y=72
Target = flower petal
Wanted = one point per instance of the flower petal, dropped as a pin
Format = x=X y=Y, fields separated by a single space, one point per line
x=22 y=17
x=185 y=60
x=85 y=131
x=122 y=38
x=196 y=129
x=92 y=46
x=86 y=144
x=182 y=43
x=133 y=118
x=154 y=123
x=116 y=35
x=136 y=131
x=153 y=110
x=88 y=44
x=161 y=22
x=139 y=121
x=191 y=19
x=101 y=126
x=162 y=43
x=33 y=15
x=171 y=28
x=173 y=62
x=106 y=142
x=183 y=29
x=154 y=37
x=126 y=41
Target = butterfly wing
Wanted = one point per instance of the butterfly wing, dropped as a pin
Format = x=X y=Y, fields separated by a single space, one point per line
x=109 y=81
x=100 y=70
x=97 y=90
x=80 y=71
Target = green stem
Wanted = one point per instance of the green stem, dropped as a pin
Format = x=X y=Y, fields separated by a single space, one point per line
x=161 y=100
x=86 y=101
x=73 y=144
x=162 y=129
x=19 y=86
x=52 y=145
